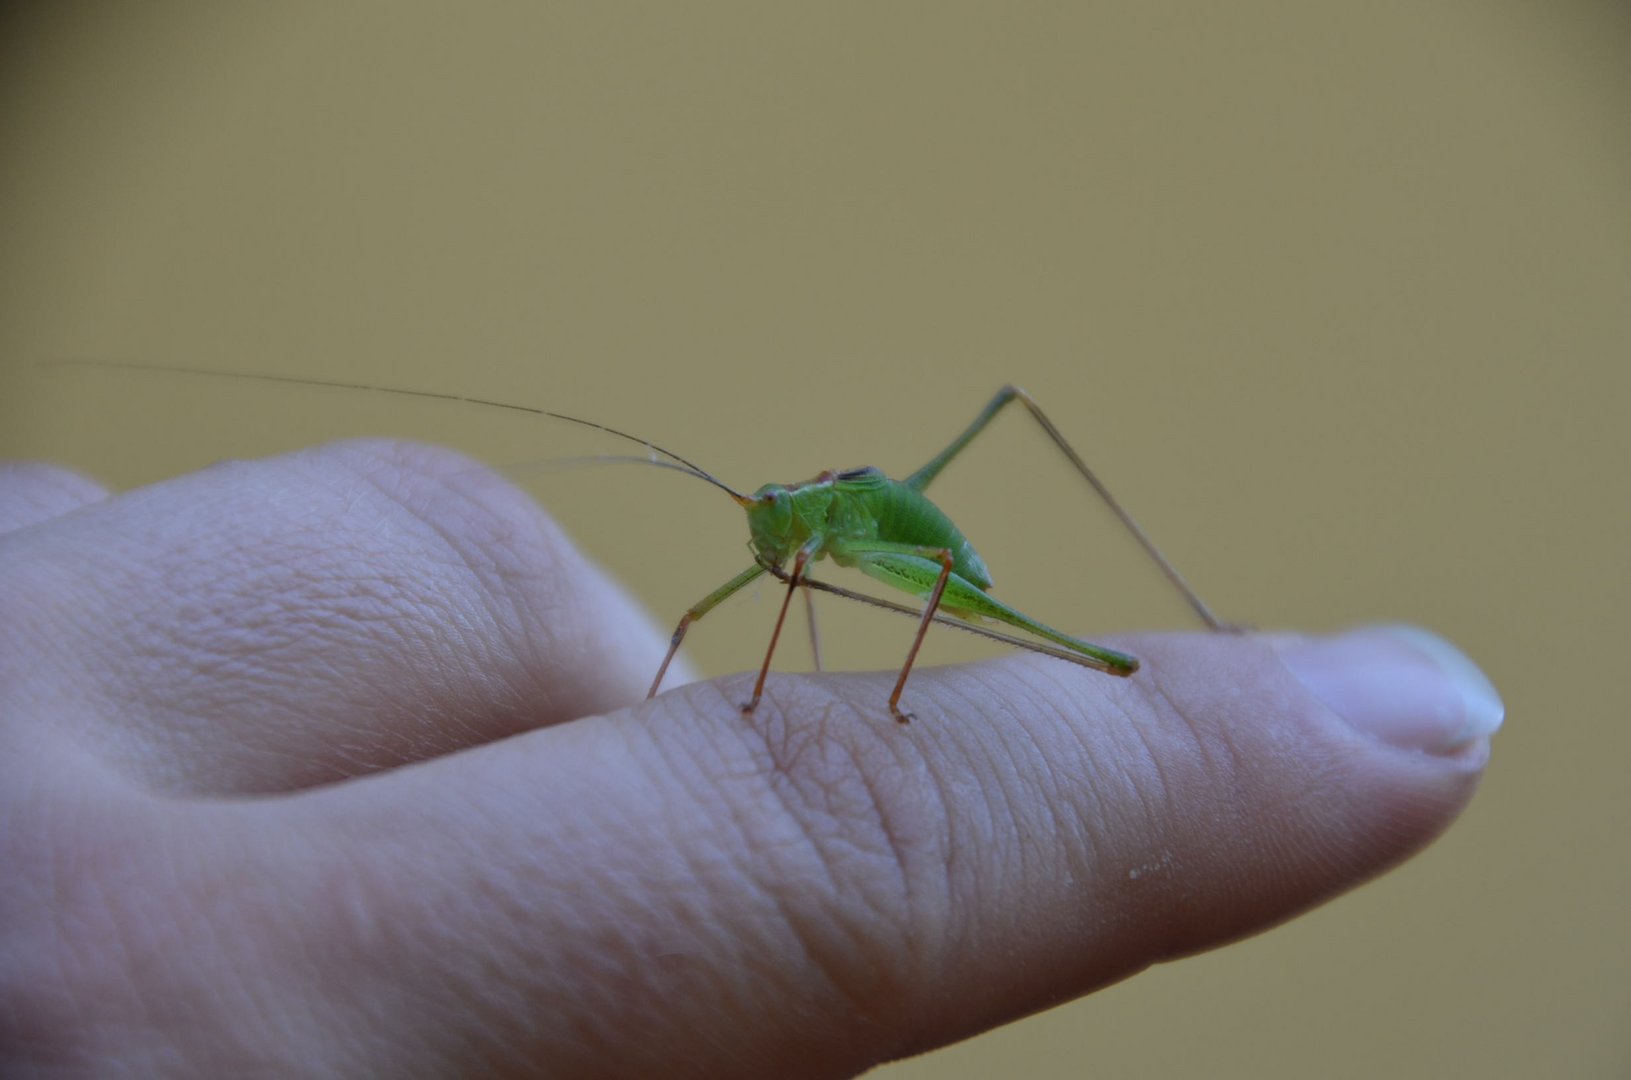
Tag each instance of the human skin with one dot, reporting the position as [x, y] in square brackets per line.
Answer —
[338, 762]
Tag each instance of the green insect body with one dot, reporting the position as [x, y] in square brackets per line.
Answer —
[861, 519]
[890, 531]
[883, 528]
[847, 512]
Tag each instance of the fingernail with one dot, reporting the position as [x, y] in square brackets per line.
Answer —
[1400, 684]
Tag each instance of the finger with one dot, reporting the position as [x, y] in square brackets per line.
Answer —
[822, 889]
[273, 624]
[32, 491]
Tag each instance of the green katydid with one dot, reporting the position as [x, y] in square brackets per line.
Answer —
[887, 529]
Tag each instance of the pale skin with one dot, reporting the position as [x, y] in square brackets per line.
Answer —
[570, 879]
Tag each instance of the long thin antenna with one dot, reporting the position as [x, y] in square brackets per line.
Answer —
[580, 461]
[337, 384]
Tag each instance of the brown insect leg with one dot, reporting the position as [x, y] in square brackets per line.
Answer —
[764, 670]
[922, 628]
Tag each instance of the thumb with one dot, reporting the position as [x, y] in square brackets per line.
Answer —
[820, 889]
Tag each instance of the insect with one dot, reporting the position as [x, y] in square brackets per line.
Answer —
[861, 519]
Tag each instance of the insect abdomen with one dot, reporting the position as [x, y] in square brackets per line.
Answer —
[908, 517]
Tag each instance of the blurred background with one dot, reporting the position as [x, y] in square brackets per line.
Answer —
[1336, 297]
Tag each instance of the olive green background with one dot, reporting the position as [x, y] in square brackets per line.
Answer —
[1335, 296]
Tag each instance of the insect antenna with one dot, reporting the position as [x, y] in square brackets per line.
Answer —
[581, 461]
[680, 464]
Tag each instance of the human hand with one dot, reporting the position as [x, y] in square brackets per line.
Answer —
[299, 772]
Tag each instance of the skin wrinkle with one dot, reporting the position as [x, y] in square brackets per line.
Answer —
[1052, 798]
[817, 795]
[459, 549]
[1257, 865]
[708, 781]
[1036, 844]
[1018, 935]
[897, 850]
[523, 895]
[342, 938]
[767, 976]
[441, 621]
[1145, 773]
[958, 863]
[259, 676]
[413, 632]
[980, 777]
[397, 576]
[922, 858]
[721, 865]
[378, 915]
[39, 1003]
[491, 985]
[28, 599]
[1160, 806]
[503, 547]
[1226, 764]
[1089, 739]
[880, 791]
[256, 935]
[488, 533]
[111, 947]
[803, 928]
[221, 581]
[1047, 792]
[258, 1020]
[1328, 828]
[1158, 801]
[1084, 788]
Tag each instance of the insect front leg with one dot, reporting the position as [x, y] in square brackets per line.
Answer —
[697, 611]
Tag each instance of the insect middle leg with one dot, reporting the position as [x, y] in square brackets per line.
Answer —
[794, 580]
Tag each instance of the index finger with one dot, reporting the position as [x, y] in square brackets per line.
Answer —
[819, 889]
